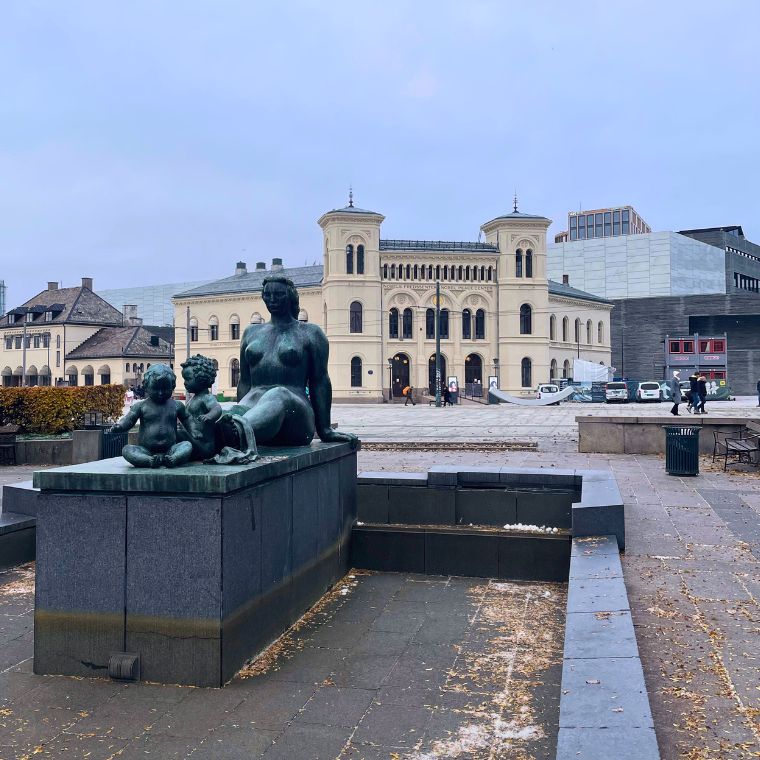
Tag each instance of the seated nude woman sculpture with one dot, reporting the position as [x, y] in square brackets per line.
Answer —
[278, 360]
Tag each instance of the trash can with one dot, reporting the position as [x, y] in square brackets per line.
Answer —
[682, 450]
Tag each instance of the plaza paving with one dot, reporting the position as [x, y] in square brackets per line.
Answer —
[550, 427]
[395, 666]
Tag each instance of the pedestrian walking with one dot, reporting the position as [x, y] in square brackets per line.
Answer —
[702, 390]
[408, 392]
[675, 391]
[758, 392]
[446, 395]
[694, 399]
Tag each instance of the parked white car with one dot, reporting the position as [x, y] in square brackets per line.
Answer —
[649, 390]
[547, 389]
[616, 392]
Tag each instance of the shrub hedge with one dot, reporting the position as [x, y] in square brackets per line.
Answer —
[57, 410]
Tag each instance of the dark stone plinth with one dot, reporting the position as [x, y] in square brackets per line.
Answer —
[194, 581]
[17, 535]
[20, 498]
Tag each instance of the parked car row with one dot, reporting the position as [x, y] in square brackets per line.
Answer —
[648, 390]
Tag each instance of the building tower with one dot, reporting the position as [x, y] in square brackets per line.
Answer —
[351, 294]
[523, 298]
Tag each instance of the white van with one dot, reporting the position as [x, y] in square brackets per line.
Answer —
[649, 390]
[616, 393]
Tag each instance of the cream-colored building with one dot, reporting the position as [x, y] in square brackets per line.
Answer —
[72, 336]
[375, 298]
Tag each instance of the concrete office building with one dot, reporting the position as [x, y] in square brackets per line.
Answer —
[742, 256]
[640, 266]
[2, 297]
[153, 302]
[602, 222]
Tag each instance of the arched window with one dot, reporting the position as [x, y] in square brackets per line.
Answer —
[234, 327]
[466, 324]
[526, 319]
[408, 272]
[483, 273]
[518, 263]
[406, 327]
[552, 327]
[126, 368]
[529, 263]
[256, 318]
[359, 259]
[566, 369]
[553, 370]
[446, 272]
[393, 323]
[430, 323]
[193, 329]
[349, 259]
[437, 271]
[466, 273]
[600, 333]
[480, 324]
[303, 315]
[430, 272]
[416, 272]
[526, 371]
[385, 271]
[589, 332]
[355, 317]
[577, 330]
[234, 373]
[490, 274]
[213, 328]
[443, 328]
[565, 328]
[473, 369]
[393, 271]
[356, 372]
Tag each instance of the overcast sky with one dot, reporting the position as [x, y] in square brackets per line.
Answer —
[149, 142]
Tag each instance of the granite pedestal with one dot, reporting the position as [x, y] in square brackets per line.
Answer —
[194, 569]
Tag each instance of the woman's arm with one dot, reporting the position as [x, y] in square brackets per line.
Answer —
[244, 384]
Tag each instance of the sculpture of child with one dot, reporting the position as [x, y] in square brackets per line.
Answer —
[204, 410]
[158, 414]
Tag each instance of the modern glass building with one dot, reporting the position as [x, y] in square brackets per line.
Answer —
[154, 304]
[2, 297]
[602, 222]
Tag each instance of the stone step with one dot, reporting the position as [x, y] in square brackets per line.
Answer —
[479, 552]
[17, 538]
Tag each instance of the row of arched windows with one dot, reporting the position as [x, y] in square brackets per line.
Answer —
[528, 258]
[429, 272]
[213, 328]
[350, 259]
[578, 332]
[469, 321]
[553, 369]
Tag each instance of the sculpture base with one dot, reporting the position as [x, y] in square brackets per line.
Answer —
[196, 575]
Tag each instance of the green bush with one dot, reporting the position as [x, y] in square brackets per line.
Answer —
[57, 410]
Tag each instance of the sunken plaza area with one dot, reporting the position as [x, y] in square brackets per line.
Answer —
[394, 665]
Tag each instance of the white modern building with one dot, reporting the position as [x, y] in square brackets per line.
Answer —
[639, 266]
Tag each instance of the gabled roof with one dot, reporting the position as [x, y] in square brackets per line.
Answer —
[251, 282]
[71, 305]
[559, 289]
[110, 342]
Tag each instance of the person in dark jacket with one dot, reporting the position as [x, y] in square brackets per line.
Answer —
[702, 390]
[674, 385]
[694, 400]
[758, 392]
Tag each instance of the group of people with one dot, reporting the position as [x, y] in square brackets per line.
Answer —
[695, 396]
[408, 394]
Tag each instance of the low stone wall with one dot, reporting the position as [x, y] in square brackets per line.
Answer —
[56, 451]
[645, 435]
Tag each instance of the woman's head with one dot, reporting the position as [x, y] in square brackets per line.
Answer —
[278, 289]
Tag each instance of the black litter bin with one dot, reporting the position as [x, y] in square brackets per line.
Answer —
[682, 450]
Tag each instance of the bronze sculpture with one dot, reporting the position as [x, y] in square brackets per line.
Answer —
[284, 395]
[158, 444]
[278, 361]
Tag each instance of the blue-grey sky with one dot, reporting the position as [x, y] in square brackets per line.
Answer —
[149, 142]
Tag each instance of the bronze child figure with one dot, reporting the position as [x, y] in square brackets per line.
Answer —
[158, 414]
[204, 410]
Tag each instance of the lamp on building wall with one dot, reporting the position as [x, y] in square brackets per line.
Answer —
[390, 381]
[496, 371]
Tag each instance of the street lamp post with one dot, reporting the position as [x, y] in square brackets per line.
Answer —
[390, 381]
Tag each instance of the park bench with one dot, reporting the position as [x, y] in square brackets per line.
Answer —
[743, 448]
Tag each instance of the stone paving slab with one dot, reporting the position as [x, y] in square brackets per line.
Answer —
[386, 665]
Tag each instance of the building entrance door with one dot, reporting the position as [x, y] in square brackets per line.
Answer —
[400, 373]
